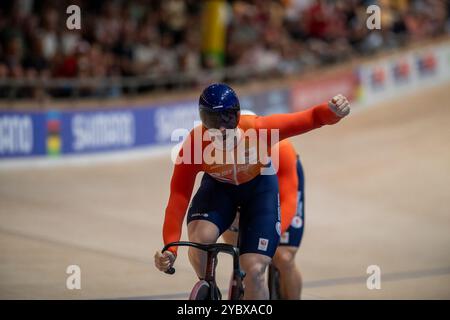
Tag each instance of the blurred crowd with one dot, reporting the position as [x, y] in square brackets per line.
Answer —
[162, 38]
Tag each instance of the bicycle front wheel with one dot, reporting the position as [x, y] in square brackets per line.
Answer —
[200, 291]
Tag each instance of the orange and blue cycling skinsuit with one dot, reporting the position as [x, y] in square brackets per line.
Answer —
[291, 184]
[226, 186]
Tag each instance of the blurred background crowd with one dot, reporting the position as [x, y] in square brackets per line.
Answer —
[160, 40]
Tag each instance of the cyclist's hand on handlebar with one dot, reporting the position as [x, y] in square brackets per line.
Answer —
[163, 261]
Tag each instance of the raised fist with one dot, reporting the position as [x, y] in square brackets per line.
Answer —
[339, 105]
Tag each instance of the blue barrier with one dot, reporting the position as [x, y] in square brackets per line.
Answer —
[77, 132]
[22, 134]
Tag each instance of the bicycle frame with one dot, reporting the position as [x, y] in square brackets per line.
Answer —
[210, 274]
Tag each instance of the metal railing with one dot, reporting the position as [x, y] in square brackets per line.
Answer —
[110, 87]
[43, 90]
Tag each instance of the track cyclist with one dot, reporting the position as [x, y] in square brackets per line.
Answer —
[238, 173]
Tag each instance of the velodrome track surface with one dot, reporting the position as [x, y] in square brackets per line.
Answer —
[376, 194]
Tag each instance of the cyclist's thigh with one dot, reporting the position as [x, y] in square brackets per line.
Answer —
[259, 224]
[213, 203]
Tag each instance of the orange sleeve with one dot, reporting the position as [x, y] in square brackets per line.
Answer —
[292, 124]
[181, 185]
[288, 183]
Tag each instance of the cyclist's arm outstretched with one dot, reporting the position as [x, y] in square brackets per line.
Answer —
[292, 124]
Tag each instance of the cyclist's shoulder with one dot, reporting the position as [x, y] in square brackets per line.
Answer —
[188, 145]
[247, 122]
[197, 129]
[285, 146]
[284, 157]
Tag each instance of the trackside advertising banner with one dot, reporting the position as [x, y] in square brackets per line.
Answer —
[56, 132]
[22, 134]
[308, 93]
[407, 72]
[120, 129]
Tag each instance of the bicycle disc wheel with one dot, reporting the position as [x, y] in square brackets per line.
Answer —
[200, 291]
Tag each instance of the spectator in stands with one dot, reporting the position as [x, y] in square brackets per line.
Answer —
[162, 38]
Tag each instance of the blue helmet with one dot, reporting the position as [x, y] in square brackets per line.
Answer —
[219, 107]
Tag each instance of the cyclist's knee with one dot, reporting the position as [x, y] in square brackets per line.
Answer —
[256, 273]
[285, 257]
[203, 231]
[255, 266]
